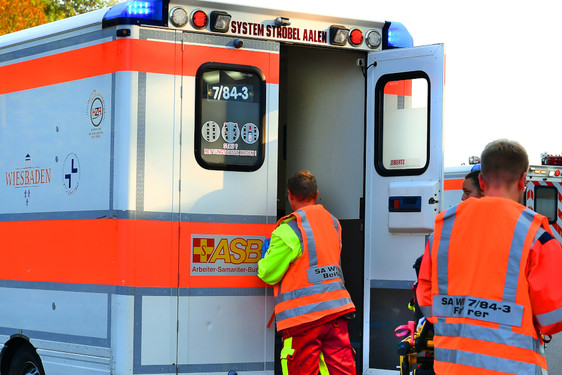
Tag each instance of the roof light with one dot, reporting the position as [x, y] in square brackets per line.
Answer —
[373, 39]
[338, 35]
[220, 21]
[355, 37]
[178, 17]
[148, 12]
[199, 19]
[395, 35]
[474, 159]
[551, 159]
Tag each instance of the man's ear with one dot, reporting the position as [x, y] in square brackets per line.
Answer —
[522, 182]
[481, 181]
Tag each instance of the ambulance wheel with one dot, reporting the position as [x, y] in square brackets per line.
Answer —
[26, 361]
[404, 365]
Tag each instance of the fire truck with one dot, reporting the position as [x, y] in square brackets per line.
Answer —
[543, 189]
[145, 149]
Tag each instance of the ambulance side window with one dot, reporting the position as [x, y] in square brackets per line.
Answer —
[229, 117]
[402, 124]
[546, 202]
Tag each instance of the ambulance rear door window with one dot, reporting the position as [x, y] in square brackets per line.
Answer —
[402, 124]
[546, 202]
[229, 117]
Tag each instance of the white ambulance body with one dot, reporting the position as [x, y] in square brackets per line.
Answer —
[145, 150]
[452, 184]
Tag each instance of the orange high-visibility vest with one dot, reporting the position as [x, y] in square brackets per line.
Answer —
[313, 286]
[481, 306]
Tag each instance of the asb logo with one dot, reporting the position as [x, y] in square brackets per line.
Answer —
[230, 255]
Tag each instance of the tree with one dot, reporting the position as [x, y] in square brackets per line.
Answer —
[22, 14]
[58, 9]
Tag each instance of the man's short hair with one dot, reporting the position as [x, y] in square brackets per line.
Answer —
[504, 160]
[303, 185]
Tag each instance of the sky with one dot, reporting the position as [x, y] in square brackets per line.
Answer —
[502, 61]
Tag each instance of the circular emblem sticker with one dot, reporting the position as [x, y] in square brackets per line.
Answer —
[97, 110]
[71, 173]
[210, 131]
[250, 133]
[230, 132]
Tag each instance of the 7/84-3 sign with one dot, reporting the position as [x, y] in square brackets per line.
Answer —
[238, 93]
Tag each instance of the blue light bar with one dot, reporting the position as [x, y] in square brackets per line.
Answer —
[136, 12]
[395, 35]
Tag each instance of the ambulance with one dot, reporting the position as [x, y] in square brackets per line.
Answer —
[145, 153]
[543, 189]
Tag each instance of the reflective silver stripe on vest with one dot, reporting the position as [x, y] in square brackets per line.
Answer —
[443, 252]
[430, 240]
[503, 335]
[312, 257]
[488, 362]
[515, 253]
[312, 251]
[312, 308]
[551, 317]
[337, 227]
[295, 227]
[426, 310]
[309, 291]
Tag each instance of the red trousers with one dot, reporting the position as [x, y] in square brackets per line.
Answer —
[325, 349]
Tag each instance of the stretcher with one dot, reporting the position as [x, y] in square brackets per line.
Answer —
[416, 349]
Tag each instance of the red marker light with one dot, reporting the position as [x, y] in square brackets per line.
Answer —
[557, 172]
[199, 19]
[356, 37]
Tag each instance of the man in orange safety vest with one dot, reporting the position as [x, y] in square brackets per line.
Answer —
[311, 301]
[490, 278]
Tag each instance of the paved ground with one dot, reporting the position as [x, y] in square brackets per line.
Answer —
[554, 355]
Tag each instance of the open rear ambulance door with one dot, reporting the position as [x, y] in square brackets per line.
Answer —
[403, 188]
